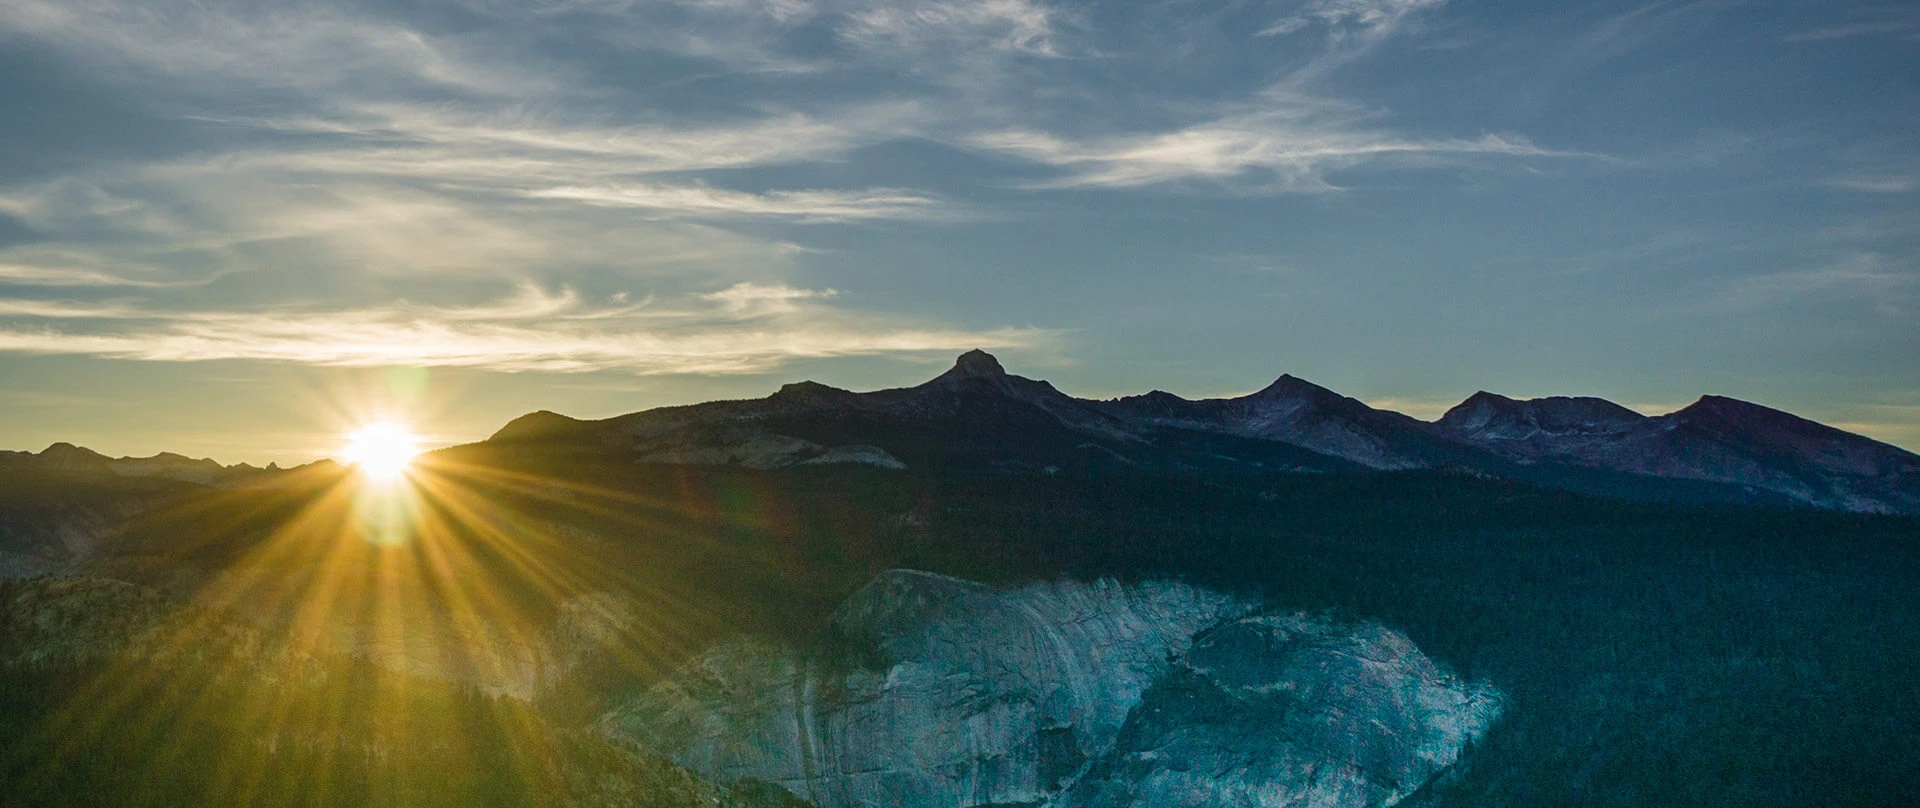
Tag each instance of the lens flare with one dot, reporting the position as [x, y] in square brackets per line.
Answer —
[381, 451]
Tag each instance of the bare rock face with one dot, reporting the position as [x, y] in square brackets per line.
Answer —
[1087, 694]
[1289, 710]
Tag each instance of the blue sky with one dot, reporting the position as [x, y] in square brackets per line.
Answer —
[235, 229]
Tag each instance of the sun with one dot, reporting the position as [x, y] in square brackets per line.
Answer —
[382, 451]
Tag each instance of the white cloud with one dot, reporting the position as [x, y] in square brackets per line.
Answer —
[1881, 184]
[500, 119]
[1287, 149]
[553, 140]
[1017, 26]
[1891, 27]
[191, 224]
[308, 47]
[747, 328]
[523, 156]
[1374, 16]
[1284, 26]
[19, 274]
[66, 310]
[742, 298]
[1863, 275]
[360, 155]
[697, 200]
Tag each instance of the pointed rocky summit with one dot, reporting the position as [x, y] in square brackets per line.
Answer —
[976, 364]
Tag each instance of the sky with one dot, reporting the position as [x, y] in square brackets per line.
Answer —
[240, 229]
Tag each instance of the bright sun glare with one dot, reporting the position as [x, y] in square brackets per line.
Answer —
[382, 451]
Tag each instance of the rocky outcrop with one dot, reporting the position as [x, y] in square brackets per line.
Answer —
[1094, 694]
[1287, 710]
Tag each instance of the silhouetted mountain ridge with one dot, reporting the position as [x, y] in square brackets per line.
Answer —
[67, 458]
[978, 414]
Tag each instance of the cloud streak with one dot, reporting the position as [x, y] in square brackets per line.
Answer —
[743, 329]
[362, 153]
[1906, 27]
[695, 201]
[1289, 149]
[1863, 276]
[1013, 26]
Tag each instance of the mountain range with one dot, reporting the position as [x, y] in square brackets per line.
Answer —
[1717, 449]
[980, 591]
[977, 415]
[66, 457]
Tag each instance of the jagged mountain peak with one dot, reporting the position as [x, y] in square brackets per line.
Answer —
[1291, 386]
[977, 370]
[975, 364]
[1482, 398]
[1290, 393]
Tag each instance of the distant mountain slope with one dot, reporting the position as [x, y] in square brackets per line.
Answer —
[66, 457]
[1716, 439]
[67, 504]
[1301, 413]
[976, 414]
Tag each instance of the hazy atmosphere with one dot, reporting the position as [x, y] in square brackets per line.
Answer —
[239, 229]
[959, 404]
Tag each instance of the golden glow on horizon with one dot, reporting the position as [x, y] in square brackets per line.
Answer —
[448, 577]
[382, 451]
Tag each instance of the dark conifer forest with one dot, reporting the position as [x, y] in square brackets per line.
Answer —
[1652, 653]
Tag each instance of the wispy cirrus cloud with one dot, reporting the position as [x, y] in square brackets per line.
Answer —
[1905, 25]
[1286, 138]
[1346, 20]
[742, 298]
[356, 93]
[202, 225]
[731, 331]
[1014, 26]
[317, 49]
[1288, 149]
[557, 141]
[596, 164]
[359, 153]
[57, 275]
[696, 200]
[1877, 184]
[1862, 275]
